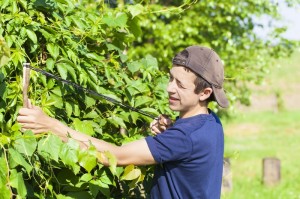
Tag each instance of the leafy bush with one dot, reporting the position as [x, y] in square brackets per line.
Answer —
[85, 43]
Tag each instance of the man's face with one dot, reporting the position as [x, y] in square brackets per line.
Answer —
[181, 88]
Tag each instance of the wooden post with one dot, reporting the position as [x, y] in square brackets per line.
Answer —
[227, 176]
[271, 171]
[26, 78]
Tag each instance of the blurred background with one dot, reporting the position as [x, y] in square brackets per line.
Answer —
[268, 127]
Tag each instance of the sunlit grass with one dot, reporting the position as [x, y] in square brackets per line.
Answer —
[270, 135]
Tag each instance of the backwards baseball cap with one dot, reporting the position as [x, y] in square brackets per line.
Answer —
[206, 63]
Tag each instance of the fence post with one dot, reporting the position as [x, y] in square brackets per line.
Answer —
[227, 176]
[271, 171]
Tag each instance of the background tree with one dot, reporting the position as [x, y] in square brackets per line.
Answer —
[226, 26]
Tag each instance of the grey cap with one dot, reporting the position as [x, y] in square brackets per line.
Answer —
[206, 63]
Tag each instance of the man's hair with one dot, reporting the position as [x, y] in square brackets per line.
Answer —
[201, 84]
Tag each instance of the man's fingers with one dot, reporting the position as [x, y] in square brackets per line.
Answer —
[160, 124]
[35, 129]
[162, 128]
[155, 130]
[164, 120]
[23, 119]
[25, 111]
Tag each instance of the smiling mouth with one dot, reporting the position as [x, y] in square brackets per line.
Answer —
[173, 99]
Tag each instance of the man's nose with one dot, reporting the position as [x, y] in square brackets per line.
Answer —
[171, 87]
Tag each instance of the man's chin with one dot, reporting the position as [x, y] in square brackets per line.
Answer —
[173, 108]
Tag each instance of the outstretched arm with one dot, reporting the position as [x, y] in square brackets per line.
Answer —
[136, 152]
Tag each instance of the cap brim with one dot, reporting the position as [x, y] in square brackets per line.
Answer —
[220, 97]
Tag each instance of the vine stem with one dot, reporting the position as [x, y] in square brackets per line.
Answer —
[175, 8]
[8, 173]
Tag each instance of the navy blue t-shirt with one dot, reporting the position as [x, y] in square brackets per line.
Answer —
[190, 157]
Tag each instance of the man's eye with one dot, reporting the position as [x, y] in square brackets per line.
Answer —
[180, 85]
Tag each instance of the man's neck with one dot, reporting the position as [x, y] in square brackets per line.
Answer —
[201, 110]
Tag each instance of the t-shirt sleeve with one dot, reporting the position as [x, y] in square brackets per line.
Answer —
[171, 145]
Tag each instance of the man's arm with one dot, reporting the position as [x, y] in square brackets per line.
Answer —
[136, 152]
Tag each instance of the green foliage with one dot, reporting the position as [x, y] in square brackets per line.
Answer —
[122, 53]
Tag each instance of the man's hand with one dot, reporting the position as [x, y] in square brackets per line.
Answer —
[160, 124]
[33, 118]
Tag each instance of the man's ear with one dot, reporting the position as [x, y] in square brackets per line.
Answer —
[205, 93]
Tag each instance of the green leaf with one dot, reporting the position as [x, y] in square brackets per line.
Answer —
[86, 177]
[89, 101]
[97, 185]
[62, 70]
[87, 160]
[80, 194]
[78, 22]
[4, 4]
[134, 116]
[49, 147]
[5, 191]
[150, 62]
[117, 121]
[50, 64]
[4, 52]
[92, 114]
[4, 170]
[83, 126]
[140, 100]
[26, 144]
[18, 57]
[133, 66]
[57, 99]
[112, 161]
[17, 181]
[53, 50]
[60, 196]
[68, 108]
[69, 154]
[45, 33]
[31, 35]
[17, 159]
[94, 56]
[119, 20]
[105, 177]
[135, 27]
[150, 110]
[131, 173]
[135, 9]
[45, 5]
[3, 138]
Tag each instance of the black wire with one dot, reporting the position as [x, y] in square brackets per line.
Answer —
[91, 91]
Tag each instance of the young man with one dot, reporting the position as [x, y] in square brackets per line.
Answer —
[188, 154]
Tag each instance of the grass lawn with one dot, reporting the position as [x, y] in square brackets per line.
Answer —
[255, 136]
[263, 130]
